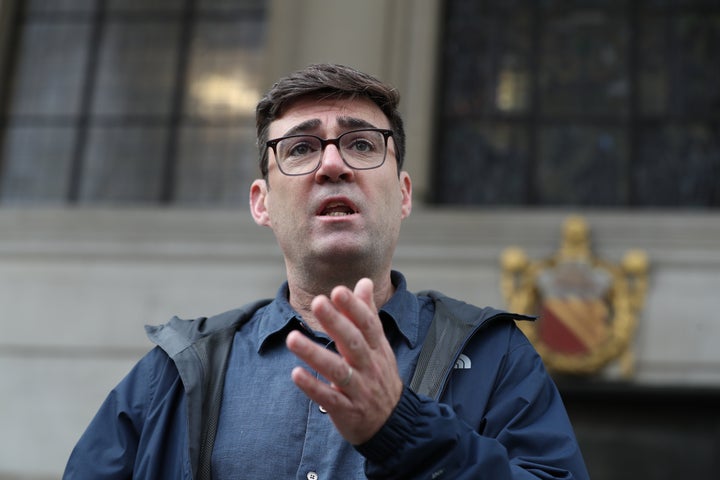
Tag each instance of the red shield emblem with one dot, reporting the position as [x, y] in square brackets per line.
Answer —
[574, 313]
[573, 325]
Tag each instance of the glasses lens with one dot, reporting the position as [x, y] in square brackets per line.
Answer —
[363, 148]
[360, 149]
[298, 155]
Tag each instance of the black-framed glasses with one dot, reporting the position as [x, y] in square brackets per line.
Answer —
[362, 149]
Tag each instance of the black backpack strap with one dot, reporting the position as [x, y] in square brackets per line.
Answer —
[453, 323]
[446, 336]
[214, 350]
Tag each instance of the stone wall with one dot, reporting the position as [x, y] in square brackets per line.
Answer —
[77, 286]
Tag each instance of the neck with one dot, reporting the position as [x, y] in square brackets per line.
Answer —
[304, 287]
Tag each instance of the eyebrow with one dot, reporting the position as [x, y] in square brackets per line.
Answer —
[308, 126]
[304, 127]
[352, 122]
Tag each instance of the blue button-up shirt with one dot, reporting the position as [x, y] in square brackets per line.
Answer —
[268, 428]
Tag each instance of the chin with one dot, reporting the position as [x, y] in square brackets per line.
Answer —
[348, 254]
[343, 253]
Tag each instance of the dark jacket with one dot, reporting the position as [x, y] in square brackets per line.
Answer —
[502, 418]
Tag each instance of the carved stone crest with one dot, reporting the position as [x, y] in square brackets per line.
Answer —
[587, 306]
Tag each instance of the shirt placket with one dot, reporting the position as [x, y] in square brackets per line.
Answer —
[315, 448]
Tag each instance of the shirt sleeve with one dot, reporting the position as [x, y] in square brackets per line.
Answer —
[523, 431]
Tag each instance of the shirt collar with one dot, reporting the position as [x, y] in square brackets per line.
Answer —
[400, 312]
[277, 317]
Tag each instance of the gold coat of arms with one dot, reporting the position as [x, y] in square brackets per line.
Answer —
[587, 308]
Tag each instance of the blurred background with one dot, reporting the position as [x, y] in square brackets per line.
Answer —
[127, 147]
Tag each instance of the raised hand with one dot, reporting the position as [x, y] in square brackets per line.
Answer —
[365, 385]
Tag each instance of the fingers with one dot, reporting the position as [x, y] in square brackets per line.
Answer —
[330, 365]
[349, 313]
[348, 338]
[319, 392]
[350, 319]
[364, 291]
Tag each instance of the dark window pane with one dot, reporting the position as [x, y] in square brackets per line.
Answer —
[123, 164]
[486, 60]
[124, 6]
[137, 69]
[585, 51]
[650, 4]
[37, 164]
[581, 166]
[226, 63]
[60, 6]
[654, 73]
[680, 72]
[483, 164]
[678, 165]
[49, 73]
[559, 5]
[216, 165]
[230, 6]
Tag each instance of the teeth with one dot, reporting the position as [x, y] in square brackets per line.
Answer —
[337, 209]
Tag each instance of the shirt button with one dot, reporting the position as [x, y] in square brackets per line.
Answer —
[322, 409]
[312, 476]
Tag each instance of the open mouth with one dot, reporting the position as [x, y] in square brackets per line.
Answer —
[337, 209]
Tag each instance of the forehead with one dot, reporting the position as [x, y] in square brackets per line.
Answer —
[328, 116]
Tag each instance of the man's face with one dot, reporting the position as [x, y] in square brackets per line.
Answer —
[335, 214]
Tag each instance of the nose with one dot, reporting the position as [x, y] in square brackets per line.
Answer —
[332, 167]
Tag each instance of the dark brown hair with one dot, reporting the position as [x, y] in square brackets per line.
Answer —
[323, 81]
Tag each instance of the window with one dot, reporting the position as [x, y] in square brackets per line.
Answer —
[131, 101]
[596, 102]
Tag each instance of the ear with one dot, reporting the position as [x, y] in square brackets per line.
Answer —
[406, 191]
[258, 202]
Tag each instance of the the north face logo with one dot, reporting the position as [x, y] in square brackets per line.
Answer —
[463, 362]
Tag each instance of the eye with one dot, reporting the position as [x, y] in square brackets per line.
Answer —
[361, 142]
[298, 147]
[363, 145]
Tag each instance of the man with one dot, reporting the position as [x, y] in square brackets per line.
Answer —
[316, 384]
